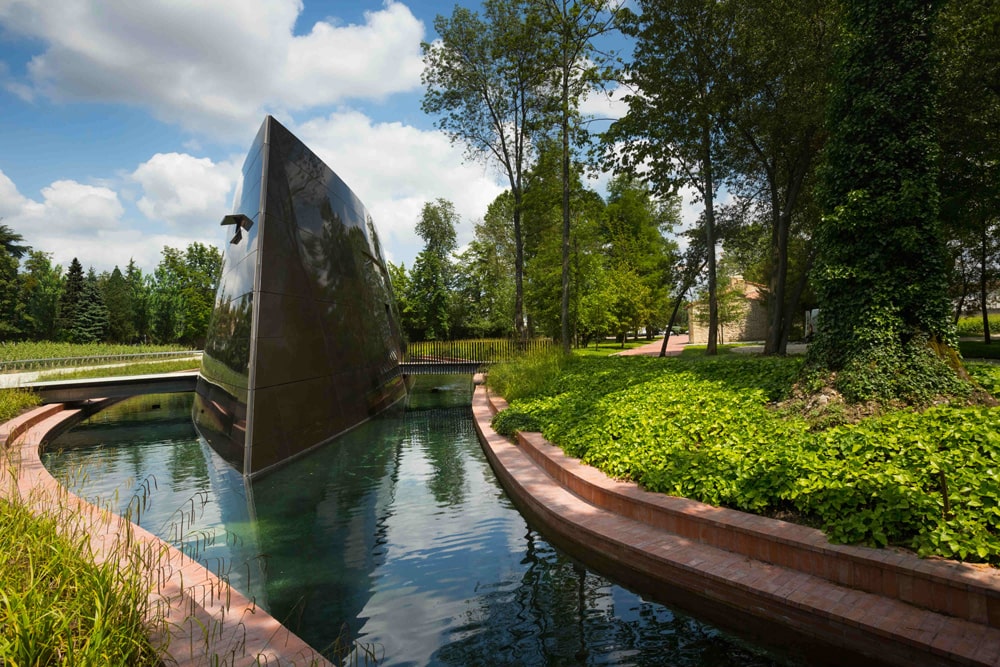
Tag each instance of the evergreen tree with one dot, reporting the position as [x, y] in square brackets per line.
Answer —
[139, 300]
[119, 305]
[91, 322]
[70, 300]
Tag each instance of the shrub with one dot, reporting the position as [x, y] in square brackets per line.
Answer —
[973, 325]
[528, 375]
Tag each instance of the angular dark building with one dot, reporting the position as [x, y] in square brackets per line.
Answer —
[303, 344]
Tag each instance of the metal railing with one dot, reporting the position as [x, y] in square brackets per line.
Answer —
[16, 365]
[482, 351]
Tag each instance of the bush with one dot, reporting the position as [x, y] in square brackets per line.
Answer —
[14, 401]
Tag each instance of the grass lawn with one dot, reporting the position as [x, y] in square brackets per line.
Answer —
[720, 430]
[977, 349]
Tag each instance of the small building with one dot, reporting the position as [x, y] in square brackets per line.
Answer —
[742, 314]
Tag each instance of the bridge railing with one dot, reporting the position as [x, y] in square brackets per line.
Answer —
[14, 365]
[482, 350]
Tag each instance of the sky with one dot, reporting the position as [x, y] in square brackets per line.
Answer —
[125, 122]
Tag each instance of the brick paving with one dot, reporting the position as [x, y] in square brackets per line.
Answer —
[868, 606]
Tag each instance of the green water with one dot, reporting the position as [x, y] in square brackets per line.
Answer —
[396, 538]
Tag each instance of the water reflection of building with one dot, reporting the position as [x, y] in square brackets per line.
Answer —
[303, 344]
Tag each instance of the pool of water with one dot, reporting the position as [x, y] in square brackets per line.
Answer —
[397, 539]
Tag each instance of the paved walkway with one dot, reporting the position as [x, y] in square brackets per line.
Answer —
[674, 347]
[774, 581]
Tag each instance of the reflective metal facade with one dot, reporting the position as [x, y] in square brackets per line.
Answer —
[303, 343]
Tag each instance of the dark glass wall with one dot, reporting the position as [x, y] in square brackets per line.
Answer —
[303, 342]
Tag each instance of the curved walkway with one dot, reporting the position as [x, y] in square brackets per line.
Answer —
[196, 618]
[871, 606]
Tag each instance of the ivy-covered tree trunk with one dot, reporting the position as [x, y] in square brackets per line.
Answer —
[881, 273]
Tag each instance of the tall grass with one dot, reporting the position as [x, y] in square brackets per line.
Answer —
[127, 369]
[50, 350]
[57, 606]
[527, 375]
[14, 401]
[973, 325]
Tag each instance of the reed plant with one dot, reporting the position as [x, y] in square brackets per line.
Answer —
[530, 374]
[15, 401]
[57, 606]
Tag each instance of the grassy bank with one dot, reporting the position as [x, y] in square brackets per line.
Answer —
[57, 607]
[711, 430]
[148, 368]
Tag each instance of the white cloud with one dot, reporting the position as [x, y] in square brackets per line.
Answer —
[87, 222]
[212, 66]
[605, 105]
[394, 169]
[184, 191]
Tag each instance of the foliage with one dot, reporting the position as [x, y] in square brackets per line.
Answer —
[705, 428]
[528, 375]
[70, 301]
[184, 293]
[881, 270]
[58, 607]
[90, 323]
[976, 349]
[987, 376]
[973, 325]
[41, 287]
[508, 422]
[15, 401]
[428, 298]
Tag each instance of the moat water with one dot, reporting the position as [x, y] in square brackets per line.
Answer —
[397, 540]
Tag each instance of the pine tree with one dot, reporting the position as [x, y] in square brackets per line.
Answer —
[69, 302]
[91, 324]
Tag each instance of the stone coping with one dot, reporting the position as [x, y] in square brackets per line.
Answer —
[195, 618]
[888, 606]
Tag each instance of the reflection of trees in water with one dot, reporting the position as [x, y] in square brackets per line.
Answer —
[228, 339]
[562, 614]
[441, 438]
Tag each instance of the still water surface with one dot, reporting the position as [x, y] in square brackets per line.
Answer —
[398, 537]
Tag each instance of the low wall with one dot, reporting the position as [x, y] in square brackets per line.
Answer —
[885, 605]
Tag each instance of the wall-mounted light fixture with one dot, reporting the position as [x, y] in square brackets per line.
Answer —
[241, 221]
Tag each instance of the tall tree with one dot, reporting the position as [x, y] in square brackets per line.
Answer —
[184, 292]
[483, 79]
[41, 285]
[90, 324]
[119, 302]
[139, 291]
[432, 274]
[674, 129]
[70, 300]
[881, 274]
[573, 25]
[776, 124]
[485, 272]
[968, 56]
[11, 252]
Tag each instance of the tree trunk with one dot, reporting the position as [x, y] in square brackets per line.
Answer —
[709, 195]
[519, 328]
[983, 268]
[793, 304]
[564, 309]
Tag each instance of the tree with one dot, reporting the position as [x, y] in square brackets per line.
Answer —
[673, 132]
[11, 252]
[969, 129]
[573, 25]
[432, 275]
[90, 325]
[776, 125]
[120, 313]
[485, 272]
[41, 286]
[184, 293]
[881, 274]
[70, 300]
[139, 291]
[483, 79]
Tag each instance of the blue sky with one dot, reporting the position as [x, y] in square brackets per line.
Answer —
[125, 122]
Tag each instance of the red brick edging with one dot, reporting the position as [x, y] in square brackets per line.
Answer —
[195, 617]
[893, 607]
